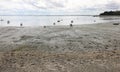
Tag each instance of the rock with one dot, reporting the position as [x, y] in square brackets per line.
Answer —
[115, 23]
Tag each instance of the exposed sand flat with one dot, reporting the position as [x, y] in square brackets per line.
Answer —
[84, 48]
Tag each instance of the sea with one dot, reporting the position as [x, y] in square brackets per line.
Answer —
[50, 20]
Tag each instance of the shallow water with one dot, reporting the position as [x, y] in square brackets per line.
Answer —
[50, 20]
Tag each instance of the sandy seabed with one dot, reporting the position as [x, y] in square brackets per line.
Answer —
[84, 48]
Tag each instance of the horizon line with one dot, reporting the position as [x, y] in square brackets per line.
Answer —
[48, 15]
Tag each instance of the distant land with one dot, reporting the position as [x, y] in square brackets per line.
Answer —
[47, 15]
[110, 13]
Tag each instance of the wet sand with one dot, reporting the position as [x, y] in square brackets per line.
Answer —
[84, 48]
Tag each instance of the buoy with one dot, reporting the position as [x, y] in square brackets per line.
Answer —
[94, 20]
[58, 21]
[71, 21]
[1, 20]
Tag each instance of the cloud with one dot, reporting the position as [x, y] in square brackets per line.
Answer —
[14, 5]
[57, 3]
[113, 5]
[58, 6]
[47, 4]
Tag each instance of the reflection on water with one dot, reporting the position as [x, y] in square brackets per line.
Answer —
[117, 18]
[53, 20]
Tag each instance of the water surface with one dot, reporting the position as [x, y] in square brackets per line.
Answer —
[50, 20]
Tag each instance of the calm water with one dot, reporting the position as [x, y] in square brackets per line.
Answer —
[49, 20]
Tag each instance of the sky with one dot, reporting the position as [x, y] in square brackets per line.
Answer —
[57, 7]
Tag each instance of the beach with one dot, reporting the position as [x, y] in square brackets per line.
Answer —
[81, 48]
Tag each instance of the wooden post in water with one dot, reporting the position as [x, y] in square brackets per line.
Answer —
[1, 20]
[21, 24]
[44, 26]
[71, 25]
[54, 24]
[8, 22]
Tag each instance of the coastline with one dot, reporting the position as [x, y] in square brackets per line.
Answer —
[87, 48]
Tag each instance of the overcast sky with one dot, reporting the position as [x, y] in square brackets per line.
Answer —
[59, 7]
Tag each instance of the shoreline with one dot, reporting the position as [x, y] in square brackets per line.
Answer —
[63, 25]
[86, 48]
[20, 35]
